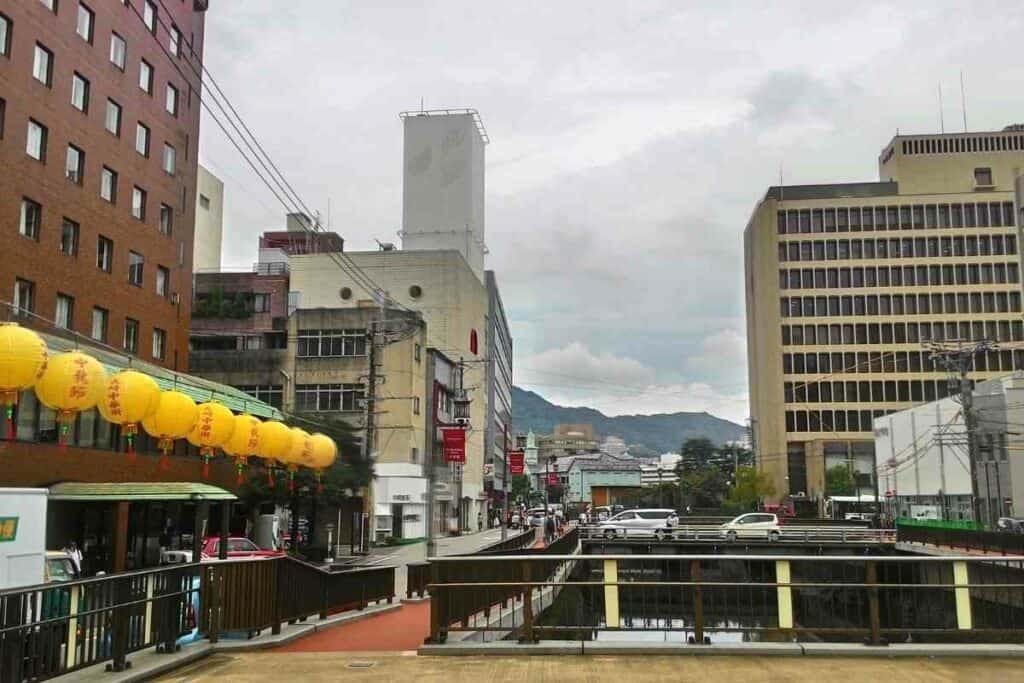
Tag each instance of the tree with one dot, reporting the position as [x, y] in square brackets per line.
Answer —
[839, 481]
[749, 489]
[706, 487]
[696, 453]
[519, 488]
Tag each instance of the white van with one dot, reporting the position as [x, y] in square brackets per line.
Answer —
[752, 525]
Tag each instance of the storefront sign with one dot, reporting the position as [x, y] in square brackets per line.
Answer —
[8, 528]
[552, 478]
[454, 441]
[516, 463]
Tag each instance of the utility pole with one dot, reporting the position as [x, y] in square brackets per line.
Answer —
[504, 482]
[957, 361]
[367, 450]
[431, 434]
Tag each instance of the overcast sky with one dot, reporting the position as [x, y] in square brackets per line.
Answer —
[629, 144]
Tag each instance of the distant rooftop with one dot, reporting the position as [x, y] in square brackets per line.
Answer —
[451, 112]
[832, 191]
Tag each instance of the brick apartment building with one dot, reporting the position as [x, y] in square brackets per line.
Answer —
[99, 131]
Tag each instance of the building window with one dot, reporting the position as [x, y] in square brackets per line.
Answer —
[163, 280]
[108, 185]
[261, 303]
[415, 405]
[331, 343]
[86, 20]
[100, 316]
[170, 159]
[135, 265]
[65, 312]
[79, 92]
[24, 297]
[142, 139]
[138, 203]
[50, 5]
[159, 343]
[35, 144]
[983, 177]
[271, 394]
[5, 36]
[204, 202]
[166, 219]
[320, 398]
[149, 16]
[31, 218]
[113, 119]
[69, 237]
[131, 335]
[74, 167]
[104, 253]
[417, 352]
[174, 40]
[145, 76]
[3, 115]
[42, 65]
[171, 102]
[118, 51]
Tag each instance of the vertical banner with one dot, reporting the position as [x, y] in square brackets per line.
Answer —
[454, 440]
[516, 463]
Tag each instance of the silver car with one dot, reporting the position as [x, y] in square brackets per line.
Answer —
[643, 522]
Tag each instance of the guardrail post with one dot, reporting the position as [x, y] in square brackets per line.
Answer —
[698, 603]
[876, 619]
[611, 593]
[963, 595]
[119, 630]
[214, 582]
[72, 639]
[438, 605]
[784, 592]
[527, 606]
[324, 594]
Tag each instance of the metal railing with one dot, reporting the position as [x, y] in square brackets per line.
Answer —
[58, 628]
[713, 532]
[1001, 542]
[524, 539]
[733, 597]
[418, 573]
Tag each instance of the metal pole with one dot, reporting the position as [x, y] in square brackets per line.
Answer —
[967, 401]
[431, 434]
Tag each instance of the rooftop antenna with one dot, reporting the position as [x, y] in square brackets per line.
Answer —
[942, 120]
[963, 99]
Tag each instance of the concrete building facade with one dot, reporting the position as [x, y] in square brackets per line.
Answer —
[845, 283]
[209, 232]
[99, 131]
[923, 458]
[498, 358]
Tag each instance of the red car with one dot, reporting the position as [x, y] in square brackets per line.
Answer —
[237, 547]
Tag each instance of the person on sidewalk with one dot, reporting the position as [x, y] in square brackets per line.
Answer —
[479, 521]
[549, 529]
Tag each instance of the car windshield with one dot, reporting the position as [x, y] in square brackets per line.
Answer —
[236, 545]
[60, 569]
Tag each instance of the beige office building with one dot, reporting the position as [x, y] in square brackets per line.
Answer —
[846, 284]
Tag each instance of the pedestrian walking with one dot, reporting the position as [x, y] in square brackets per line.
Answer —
[549, 529]
[479, 521]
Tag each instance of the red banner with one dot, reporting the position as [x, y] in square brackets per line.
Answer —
[454, 445]
[516, 463]
[552, 478]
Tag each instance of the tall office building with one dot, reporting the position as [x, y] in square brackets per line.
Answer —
[99, 127]
[209, 230]
[847, 283]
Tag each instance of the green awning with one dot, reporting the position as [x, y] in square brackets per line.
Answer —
[199, 389]
[142, 490]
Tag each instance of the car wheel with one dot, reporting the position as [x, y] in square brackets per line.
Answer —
[773, 536]
[609, 534]
[730, 536]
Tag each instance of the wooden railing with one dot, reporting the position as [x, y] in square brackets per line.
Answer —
[59, 628]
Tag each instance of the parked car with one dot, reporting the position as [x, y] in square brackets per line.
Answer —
[238, 547]
[752, 525]
[59, 567]
[1010, 525]
[642, 522]
[537, 519]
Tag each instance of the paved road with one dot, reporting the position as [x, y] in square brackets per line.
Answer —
[322, 666]
[417, 552]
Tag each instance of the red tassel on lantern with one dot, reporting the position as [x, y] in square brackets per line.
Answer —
[165, 445]
[130, 430]
[270, 476]
[10, 399]
[239, 467]
[319, 484]
[64, 420]
[206, 453]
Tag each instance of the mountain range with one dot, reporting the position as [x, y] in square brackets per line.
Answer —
[661, 433]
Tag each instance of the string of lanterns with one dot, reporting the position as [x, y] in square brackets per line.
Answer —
[73, 382]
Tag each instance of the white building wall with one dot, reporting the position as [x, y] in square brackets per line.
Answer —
[206, 248]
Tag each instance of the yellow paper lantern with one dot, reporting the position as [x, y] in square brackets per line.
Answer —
[128, 398]
[23, 357]
[173, 418]
[275, 445]
[243, 444]
[325, 452]
[300, 454]
[214, 426]
[72, 382]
